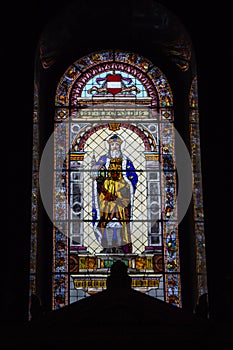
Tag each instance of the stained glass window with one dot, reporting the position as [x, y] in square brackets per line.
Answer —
[197, 187]
[115, 179]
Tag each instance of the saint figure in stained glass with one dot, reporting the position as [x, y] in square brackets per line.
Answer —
[114, 185]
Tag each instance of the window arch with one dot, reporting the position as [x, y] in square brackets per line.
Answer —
[144, 231]
[104, 96]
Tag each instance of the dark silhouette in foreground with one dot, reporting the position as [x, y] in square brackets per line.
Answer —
[120, 317]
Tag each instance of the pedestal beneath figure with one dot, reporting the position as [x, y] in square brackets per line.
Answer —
[90, 272]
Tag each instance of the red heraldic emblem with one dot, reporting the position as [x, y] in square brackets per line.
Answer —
[114, 83]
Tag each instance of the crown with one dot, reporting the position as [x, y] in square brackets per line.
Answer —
[115, 138]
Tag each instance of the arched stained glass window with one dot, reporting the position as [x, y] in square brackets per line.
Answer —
[115, 179]
[113, 161]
